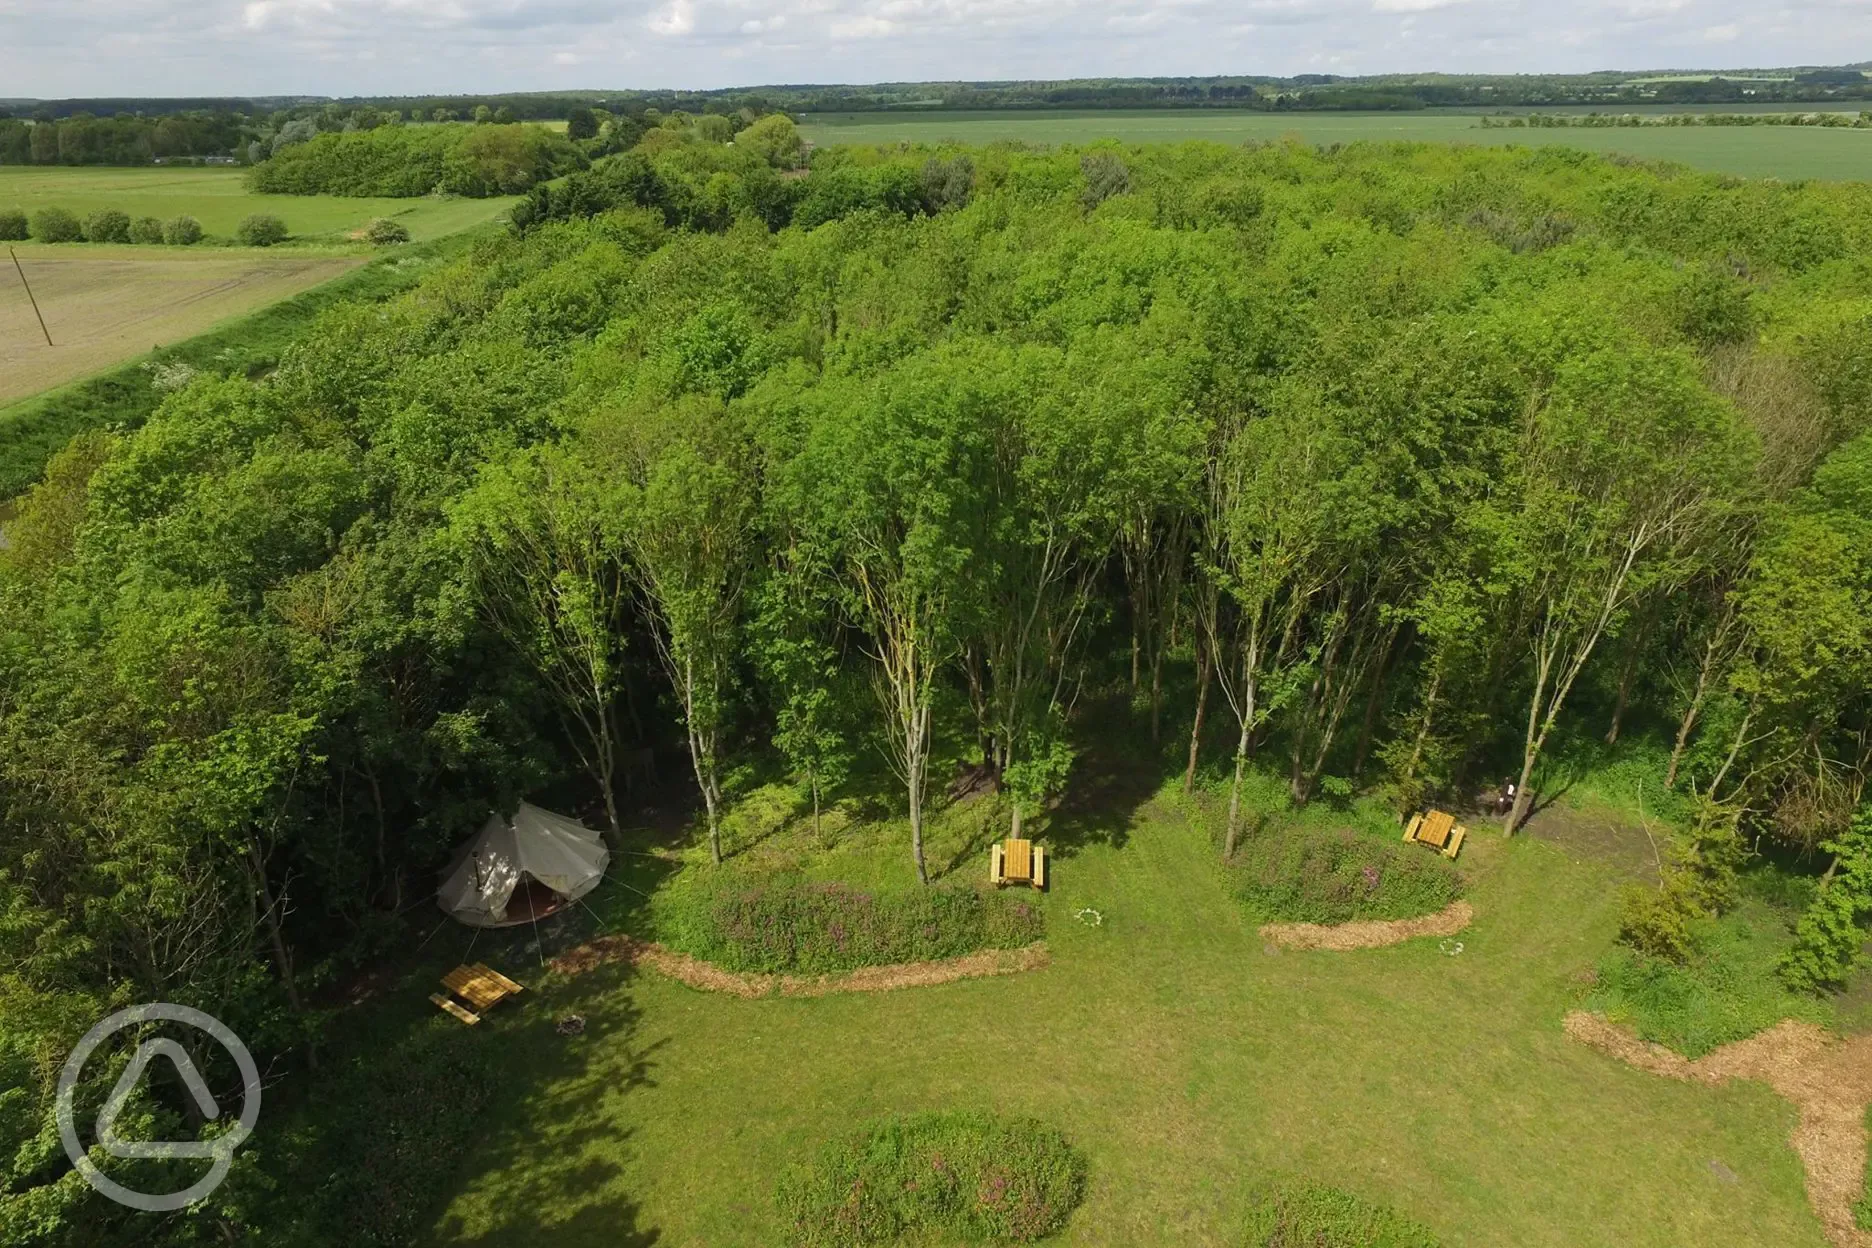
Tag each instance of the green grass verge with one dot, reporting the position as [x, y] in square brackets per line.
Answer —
[969, 1175]
[32, 430]
[1308, 1215]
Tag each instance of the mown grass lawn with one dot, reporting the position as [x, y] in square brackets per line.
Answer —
[1186, 1058]
[219, 199]
[1785, 152]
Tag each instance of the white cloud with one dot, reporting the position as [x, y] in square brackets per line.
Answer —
[675, 18]
[56, 48]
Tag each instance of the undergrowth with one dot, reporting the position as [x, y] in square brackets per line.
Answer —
[1307, 1215]
[1728, 988]
[1862, 1208]
[1305, 875]
[786, 924]
[968, 1176]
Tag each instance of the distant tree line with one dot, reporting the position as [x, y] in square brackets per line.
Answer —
[456, 159]
[124, 139]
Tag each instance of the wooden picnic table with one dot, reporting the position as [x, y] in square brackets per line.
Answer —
[1437, 829]
[480, 986]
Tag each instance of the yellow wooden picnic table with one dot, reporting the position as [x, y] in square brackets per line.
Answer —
[480, 986]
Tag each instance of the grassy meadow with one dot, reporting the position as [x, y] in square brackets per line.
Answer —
[1786, 152]
[1187, 1058]
[219, 199]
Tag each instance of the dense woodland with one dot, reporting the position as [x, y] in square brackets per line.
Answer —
[1391, 468]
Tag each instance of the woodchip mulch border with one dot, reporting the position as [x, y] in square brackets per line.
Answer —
[1369, 933]
[1829, 1080]
[710, 978]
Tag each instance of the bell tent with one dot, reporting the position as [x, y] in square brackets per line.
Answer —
[520, 869]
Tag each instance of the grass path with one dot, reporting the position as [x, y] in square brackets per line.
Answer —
[1176, 1049]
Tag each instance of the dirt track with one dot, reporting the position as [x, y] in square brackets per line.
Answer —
[108, 305]
[699, 974]
[1829, 1081]
[1369, 933]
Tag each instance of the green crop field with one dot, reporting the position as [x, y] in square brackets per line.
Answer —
[1786, 152]
[218, 198]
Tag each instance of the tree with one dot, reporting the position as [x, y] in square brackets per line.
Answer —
[687, 523]
[1627, 463]
[544, 563]
[581, 124]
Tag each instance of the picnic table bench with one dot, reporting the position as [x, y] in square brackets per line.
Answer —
[1016, 861]
[480, 986]
[1439, 830]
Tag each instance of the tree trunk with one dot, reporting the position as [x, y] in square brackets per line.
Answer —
[1234, 810]
[1626, 675]
[282, 956]
[1156, 696]
[1202, 703]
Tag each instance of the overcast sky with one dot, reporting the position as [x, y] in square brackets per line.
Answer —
[62, 48]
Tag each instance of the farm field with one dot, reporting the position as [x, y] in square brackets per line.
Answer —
[219, 199]
[1183, 1054]
[1786, 152]
[107, 304]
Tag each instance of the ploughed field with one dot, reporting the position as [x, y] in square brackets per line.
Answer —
[1786, 152]
[107, 304]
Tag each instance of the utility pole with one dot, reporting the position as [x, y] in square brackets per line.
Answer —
[29, 296]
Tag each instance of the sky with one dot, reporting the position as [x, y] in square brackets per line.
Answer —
[66, 48]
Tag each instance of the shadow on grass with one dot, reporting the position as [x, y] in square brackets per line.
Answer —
[551, 1157]
[1110, 783]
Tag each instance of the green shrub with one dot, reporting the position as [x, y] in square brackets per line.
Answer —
[817, 929]
[1728, 989]
[969, 1176]
[385, 232]
[13, 226]
[1659, 922]
[181, 231]
[146, 230]
[55, 225]
[1306, 1215]
[1308, 876]
[107, 225]
[1832, 931]
[260, 230]
[1862, 1208]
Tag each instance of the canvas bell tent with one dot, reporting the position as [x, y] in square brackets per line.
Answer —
[520, 869]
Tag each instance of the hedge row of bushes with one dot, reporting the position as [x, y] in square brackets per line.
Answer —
[406, 161]
[1306, 1215]
[1308, 876]
[825, 928]
[109, 225]
[969, 1176]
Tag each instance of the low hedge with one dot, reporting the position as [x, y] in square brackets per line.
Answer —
[793, 925]
[1308, 876]
[968, 1175]
[1307, 1215]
